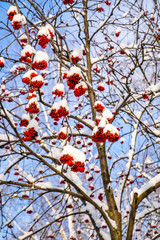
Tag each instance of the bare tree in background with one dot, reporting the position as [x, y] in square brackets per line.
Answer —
[79, 119]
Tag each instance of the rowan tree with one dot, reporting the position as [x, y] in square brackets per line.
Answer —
[79, 124]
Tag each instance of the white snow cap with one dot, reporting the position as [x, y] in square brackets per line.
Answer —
[74, 152]
[28, 48]
[59, 86]
[101, 84]
[74, 70]
[19, 18]
[50, 28]
[24, 36]
[30, 178]
[118, 30]
[26, 116]
[37, 78]
[111, 128]
[2, 60]
[107, 114]
[28, 74]
[2, 177]
[33, 123]
[12, 9]
[62, 103]
[34, 99]
[30, 208]
[64, 130]
[98, 102]
[81, 84]
[40, 56]
[77, 52]
[44, 31]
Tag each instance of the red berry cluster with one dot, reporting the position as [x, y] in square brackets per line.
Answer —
[79, 91]
[68, 2]
[100, 196]
[36, 84]
[78, 167]
[145, 96]
[26, 80]
[30, 134]
[1, 64]
[79, 126]
[73, 80]
[107, 2]
[112, 137]
[99, 107]
[100, 9]
[16, 25]
[57, 93]
[57, 114]
[96, 69]
[64, 75]
[40, 65]
[26, 58]
[75, 59]
[97, 120]
[11, 15]
[62, 136]
[110, 120]
[43, 40]
[51, 33]
[32, 108]
[23, 40]
[24, 123]
[33, 95]
[67, 159]
[100, 88]
[99, 136]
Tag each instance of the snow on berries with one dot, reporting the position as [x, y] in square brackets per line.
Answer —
[98, 134]
[59, 110]
[44, 37]
[73, 77]
[40, 60]
[96, 68]
[27, 53]
[25, 120]
[37, 82]
[51, 30]
[63, 133]
[32, 106]
[99, 106]
[108, 115]
[99, 8]
[31, 131]
[29, 210]
[112, 133]
[17, 21]
[118, 31]
[103, 133]
[11, 12]
[58, 89]
[73, 157]
[80, 89]
[76, 55]
[23, 40]
[2, 62]
[28, 76]
[100, 87]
